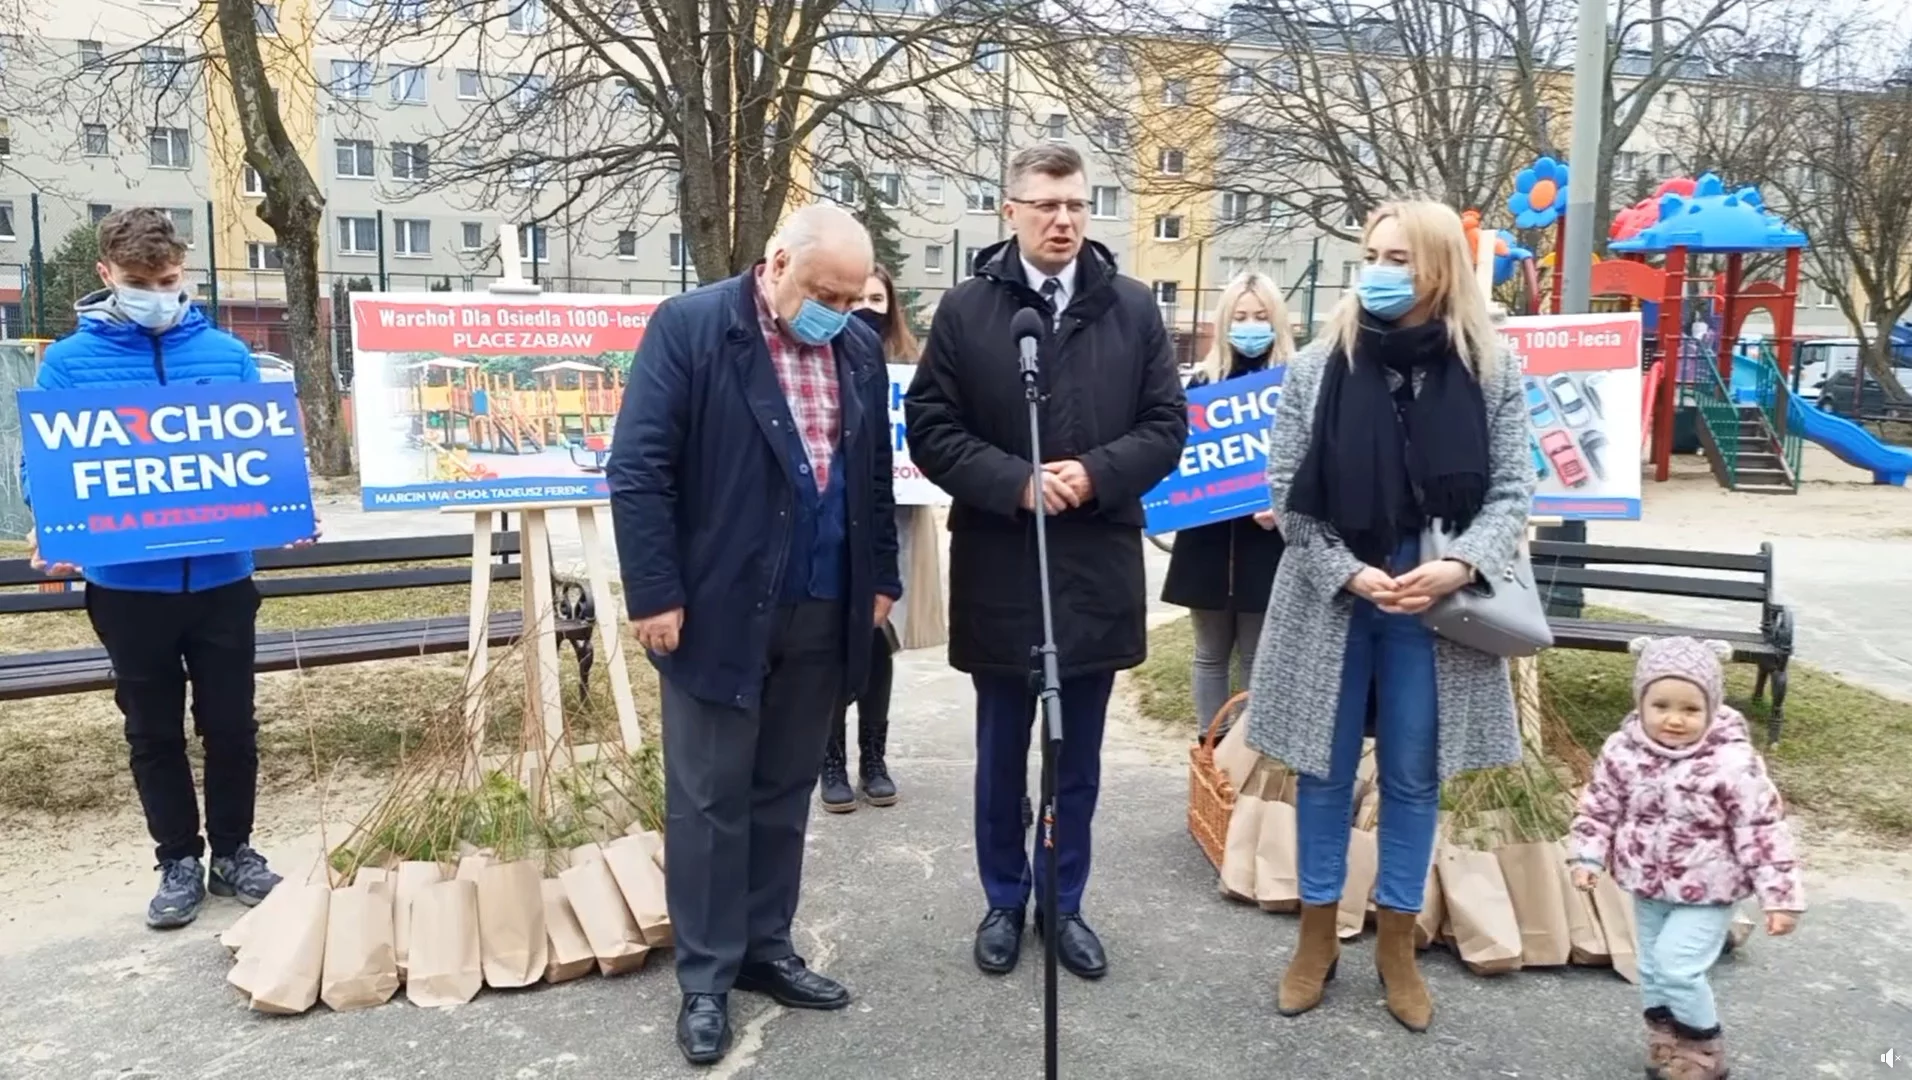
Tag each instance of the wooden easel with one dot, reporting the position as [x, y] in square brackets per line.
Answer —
[546, 744]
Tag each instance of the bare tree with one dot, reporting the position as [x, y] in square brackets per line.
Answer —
[214, 48]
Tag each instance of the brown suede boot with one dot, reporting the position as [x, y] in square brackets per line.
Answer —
[1408, 998]
[1660, 1041]
[1697, 1055]
[1317, 953]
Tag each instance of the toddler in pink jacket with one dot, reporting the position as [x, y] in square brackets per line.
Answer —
[1681, 812]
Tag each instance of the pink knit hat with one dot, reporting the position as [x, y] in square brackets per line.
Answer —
[1691, 659]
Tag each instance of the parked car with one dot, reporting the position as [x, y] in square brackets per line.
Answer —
[1592, 386]
[1836, 394]
[1540, 460]
[1538, 406]
[273, 368]
[1592, 445]
[1558, 446]
[1818, 362]
[1573, 407]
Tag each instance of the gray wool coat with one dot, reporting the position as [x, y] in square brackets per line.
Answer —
[1295, 689]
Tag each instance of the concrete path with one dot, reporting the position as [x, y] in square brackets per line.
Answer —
[890, 902]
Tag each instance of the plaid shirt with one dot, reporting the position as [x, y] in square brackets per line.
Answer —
[808, 376]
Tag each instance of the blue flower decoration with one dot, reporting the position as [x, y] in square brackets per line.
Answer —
[1540, 194]
[1507, 256]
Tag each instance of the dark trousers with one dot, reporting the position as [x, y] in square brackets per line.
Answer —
[872, 707]
[158, 642]
[737, 786]
[1005, 716]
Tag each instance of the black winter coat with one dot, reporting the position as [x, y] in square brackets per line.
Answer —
[1111, 399]
[1230, 565]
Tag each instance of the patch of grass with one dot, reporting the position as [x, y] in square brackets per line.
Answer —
[1842, 756]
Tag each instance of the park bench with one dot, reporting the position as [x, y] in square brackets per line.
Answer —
[1669, 572]
[326, 569]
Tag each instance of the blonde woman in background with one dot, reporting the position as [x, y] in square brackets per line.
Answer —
[1402, 414]
[1223, 572]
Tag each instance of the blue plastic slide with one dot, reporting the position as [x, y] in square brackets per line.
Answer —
[1851, 443]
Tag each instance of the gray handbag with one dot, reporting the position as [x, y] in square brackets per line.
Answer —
[1500, 616]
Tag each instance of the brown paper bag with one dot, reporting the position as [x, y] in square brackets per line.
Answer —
[470, 866]
[447, 966]
[1615, 909]
[1363, 864]
[1365, 771]
[1427, 924]
[1233, 756]
[1277, 885]
[1238, 850]
[1588, 943]
[587, 853]
[568, 952]
[240, 933]
[1486, 931]
[1367, 813]
[642, 884]
[410, 879]
[1741, 928]
[511, 935]
[282, 966]
[1532, 871]
[361, 969]
[606, 921]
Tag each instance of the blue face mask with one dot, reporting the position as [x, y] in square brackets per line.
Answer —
[152, 310]
[1253, 338]
[1387, 292]
[817, 324]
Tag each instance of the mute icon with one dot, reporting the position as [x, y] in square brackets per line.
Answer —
[1887, 1058]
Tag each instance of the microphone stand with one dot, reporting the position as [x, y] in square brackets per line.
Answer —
[1044, 676]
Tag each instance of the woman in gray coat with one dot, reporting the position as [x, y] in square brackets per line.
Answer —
[1402, 415]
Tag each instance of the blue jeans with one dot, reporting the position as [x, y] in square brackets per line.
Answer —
[1678, 945]
[1392, 656]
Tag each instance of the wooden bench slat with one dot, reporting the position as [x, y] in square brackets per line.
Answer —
[1597, 636]
[1757, 563]
[328, 554]
[1752, 592]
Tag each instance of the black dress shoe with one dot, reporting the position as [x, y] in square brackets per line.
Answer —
[999, 940]
[1078, 950]
[703, 1028]
[790, 983]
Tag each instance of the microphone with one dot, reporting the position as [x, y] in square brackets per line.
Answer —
[1027, 327]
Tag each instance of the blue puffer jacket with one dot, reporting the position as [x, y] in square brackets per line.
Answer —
[109, 350]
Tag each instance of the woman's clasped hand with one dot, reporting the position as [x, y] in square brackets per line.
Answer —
[1413, 592]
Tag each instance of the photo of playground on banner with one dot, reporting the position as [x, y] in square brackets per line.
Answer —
[463, 398]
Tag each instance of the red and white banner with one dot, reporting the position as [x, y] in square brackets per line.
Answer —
[486, 325]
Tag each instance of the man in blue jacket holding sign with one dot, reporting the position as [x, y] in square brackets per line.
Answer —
[173, 620]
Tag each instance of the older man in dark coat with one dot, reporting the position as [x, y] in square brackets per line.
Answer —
[751, 490]
[1113, 425]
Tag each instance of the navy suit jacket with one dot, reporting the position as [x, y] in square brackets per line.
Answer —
[702, 481]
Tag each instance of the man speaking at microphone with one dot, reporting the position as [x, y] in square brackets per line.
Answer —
[1113, 425]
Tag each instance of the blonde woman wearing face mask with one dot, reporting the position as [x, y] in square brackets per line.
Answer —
[1401, 415]
[1223, 572]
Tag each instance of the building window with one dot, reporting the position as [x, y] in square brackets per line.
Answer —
[527, 90]
[1663, 166]
[534, 243]
[6, 219]
[984, 197]
[1105, 201]
[1168, 226]
[1167, 292]
[933, 259]
[1241, 78]
[1626, 163]
[1111, 133]
[1171, 161]
[92, 54]
[1285, 75]
[933, 189]
[988, 58]
[169, 148]
[471, 235]
[96, 212]
[159, 64]
[412, 237]
[255, 185]
[938, 120]
[352, 79]
[182, 224]
[1278, 270]
[411, 161]
[839, 185]
[1350, 270]
[1175, 92]
[356, 159]
[1234, 207]
[527, 17]
[469, 86]
[352, 9]
[408, 85]
[969, 261]
[265, 19]
[1353, 218]
[986, 123]
[474, 11]
[1232, 266]
[93, 140]
[888, 187]
[627, 244]
[263, 256]
[1111, 62]
[358, 236]
[1238, 141]
[1057, 129]
[680, 256]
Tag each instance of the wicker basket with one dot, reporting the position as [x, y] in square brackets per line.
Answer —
[1211, 798]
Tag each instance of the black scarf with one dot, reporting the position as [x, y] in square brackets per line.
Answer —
[1380, 464]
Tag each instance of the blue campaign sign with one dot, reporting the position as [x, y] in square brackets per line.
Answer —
[1222, 473]
[135, 474]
